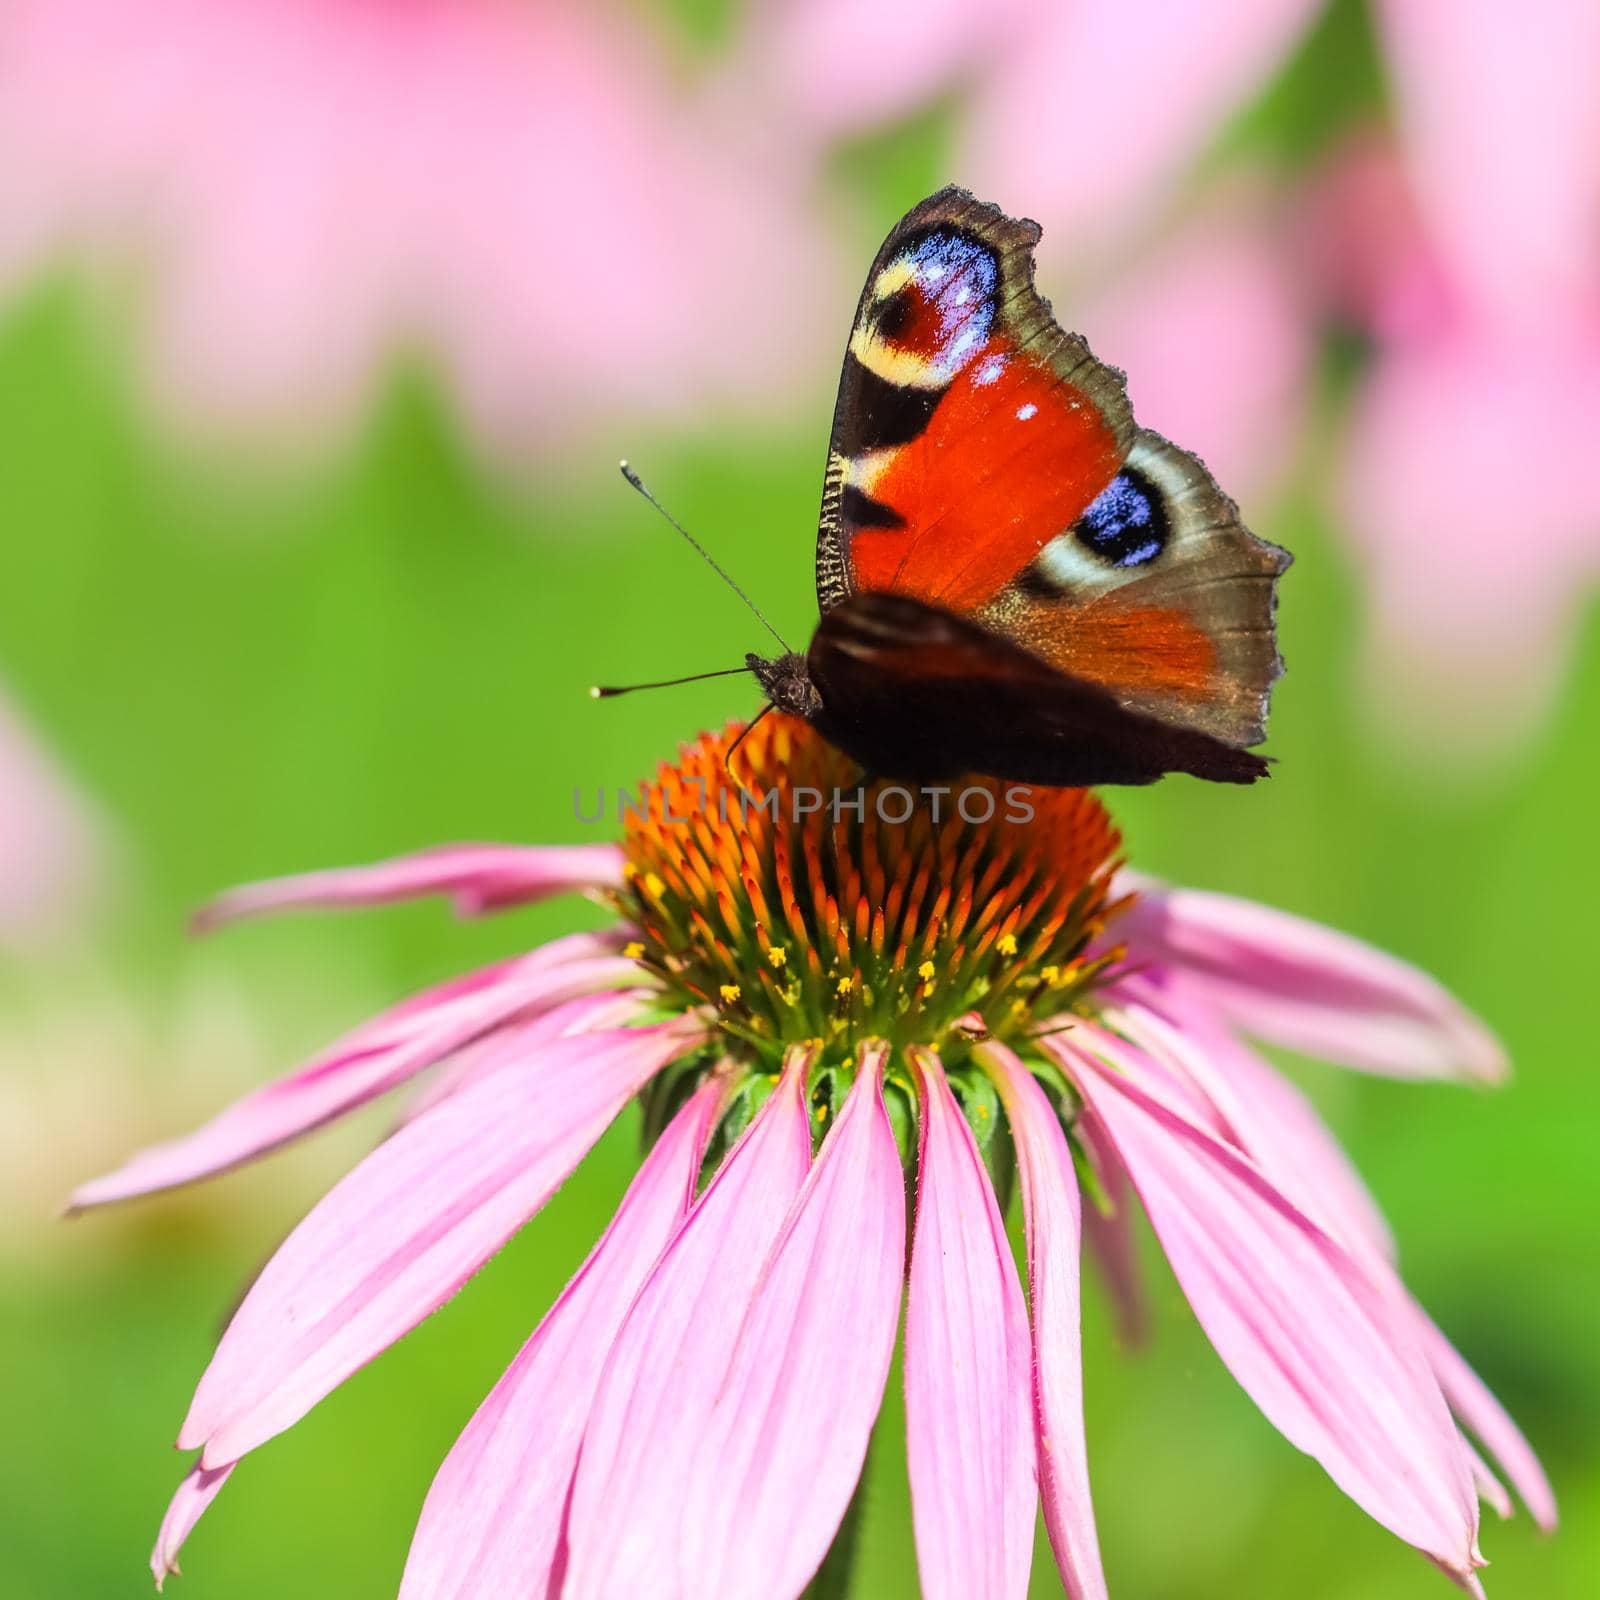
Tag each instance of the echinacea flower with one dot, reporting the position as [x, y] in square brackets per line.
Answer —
[827, 998]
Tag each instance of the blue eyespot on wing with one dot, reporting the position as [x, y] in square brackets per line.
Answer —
[1161, 595]
[1127, 524]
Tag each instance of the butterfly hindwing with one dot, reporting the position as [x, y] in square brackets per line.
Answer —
[909, 689]
[1159, 594]
[970, 428]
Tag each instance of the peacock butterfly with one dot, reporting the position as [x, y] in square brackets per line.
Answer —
[1016, 579]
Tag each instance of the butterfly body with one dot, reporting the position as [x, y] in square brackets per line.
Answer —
[1015, 578]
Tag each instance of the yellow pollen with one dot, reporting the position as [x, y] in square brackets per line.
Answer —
[633, 950]
[854, 920]
[822, 1113]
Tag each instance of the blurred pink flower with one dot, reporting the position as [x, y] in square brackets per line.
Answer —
[1468, 251]
[309, 188]
[1198, 304]
[1213, 332]
[1083, 113]
[1499, 122]
[1475, 517]
[693, 1413]
[50, 851]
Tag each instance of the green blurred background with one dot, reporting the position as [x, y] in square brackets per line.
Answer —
[251, 671]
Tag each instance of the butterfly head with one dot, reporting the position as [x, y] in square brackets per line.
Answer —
[786, 682]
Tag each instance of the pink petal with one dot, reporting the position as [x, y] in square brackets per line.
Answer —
[1263, 1113]
[493, 1518]
[1307, 987]
[1319, 1348]
[400, 1021]
[478, 877]
[969, 1384]
[194, 1495]
[590, 1013]
[368, 1062]
[1490, 1489]
[1051, 1209]
[783, 1447]
[1275, 1125]
[1477, 1407]
[402, 1232]
[668, 1366]
[1111, 1238]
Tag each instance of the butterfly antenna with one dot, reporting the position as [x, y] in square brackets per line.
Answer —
[749, 727]
[609, 691]
[638, 483]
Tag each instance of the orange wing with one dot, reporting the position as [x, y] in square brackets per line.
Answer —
[970, 429]
[984, 462]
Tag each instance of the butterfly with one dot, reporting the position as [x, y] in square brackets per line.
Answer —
[1014, 578]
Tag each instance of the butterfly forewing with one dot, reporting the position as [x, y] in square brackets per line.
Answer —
[970, 428]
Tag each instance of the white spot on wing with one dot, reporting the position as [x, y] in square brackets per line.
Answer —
[1024, 412]
[959, 346]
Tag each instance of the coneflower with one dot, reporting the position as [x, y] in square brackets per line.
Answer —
[829, 998]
